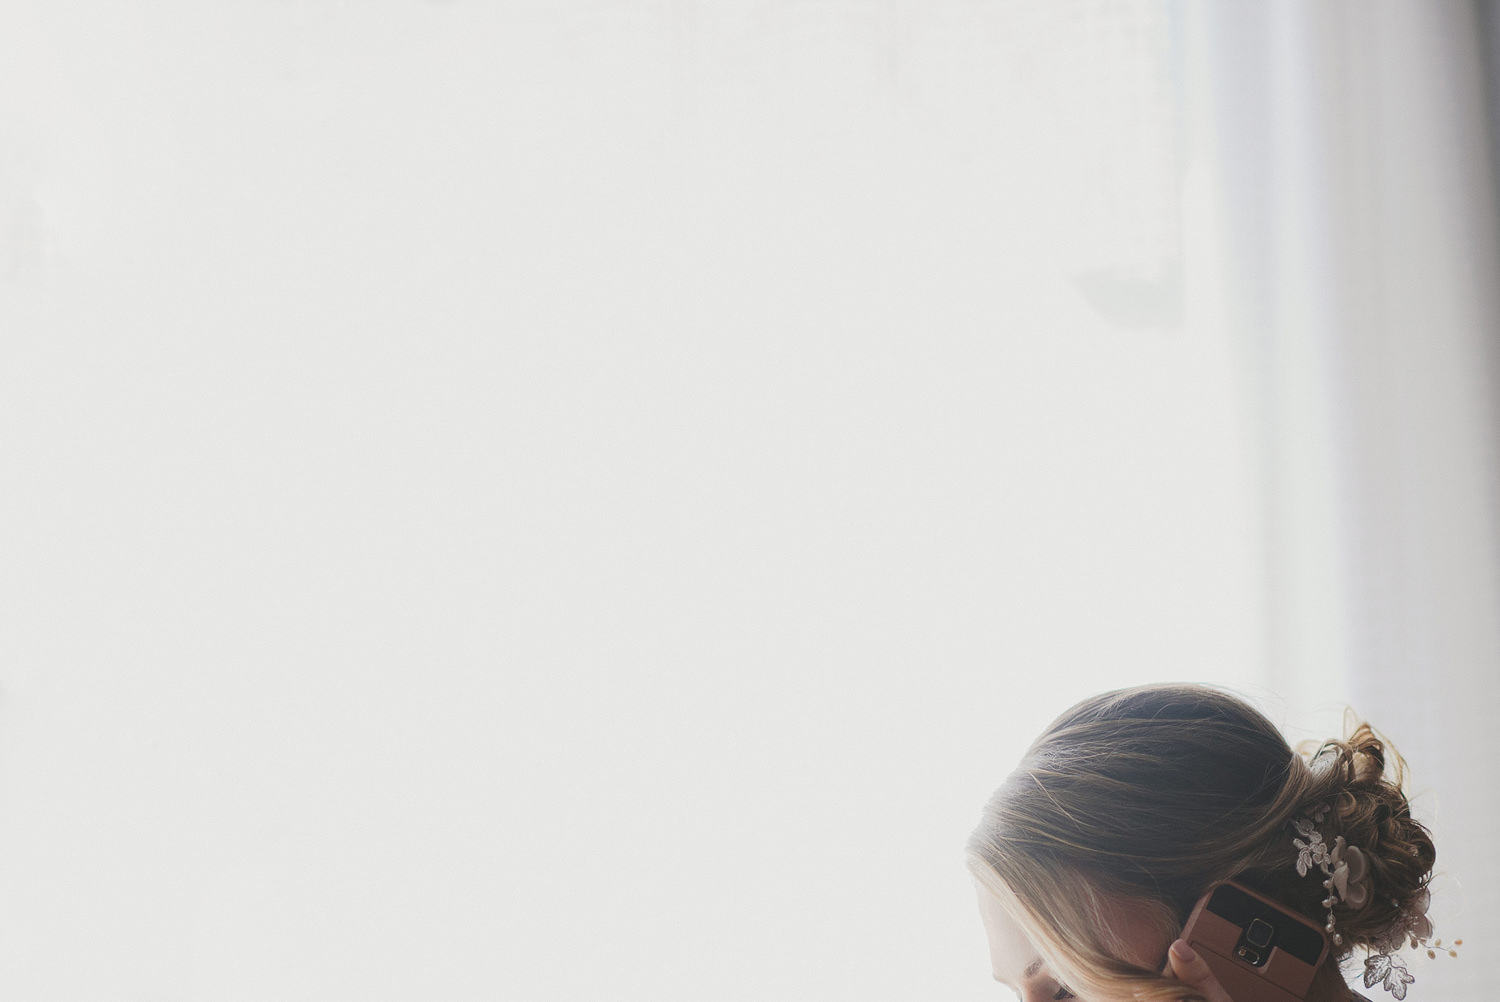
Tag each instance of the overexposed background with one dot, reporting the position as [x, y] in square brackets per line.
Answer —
[584, 500]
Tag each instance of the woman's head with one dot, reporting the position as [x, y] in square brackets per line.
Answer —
[1131, 804]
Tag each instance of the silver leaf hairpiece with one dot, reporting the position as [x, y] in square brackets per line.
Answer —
[1346, 878]
[1391, 971]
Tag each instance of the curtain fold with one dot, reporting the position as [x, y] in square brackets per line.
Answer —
[1353, 149]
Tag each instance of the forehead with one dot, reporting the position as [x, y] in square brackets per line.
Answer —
[1012, 957]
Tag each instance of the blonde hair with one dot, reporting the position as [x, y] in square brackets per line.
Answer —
[1153, 794]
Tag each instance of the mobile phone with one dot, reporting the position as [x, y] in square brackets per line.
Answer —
[1259, 950]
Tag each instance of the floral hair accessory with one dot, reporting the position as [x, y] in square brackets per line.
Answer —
[1315, 852]
[1351, 873]
[1390, 970]
[1346, 878]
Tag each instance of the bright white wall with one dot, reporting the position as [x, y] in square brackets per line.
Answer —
[560, 501]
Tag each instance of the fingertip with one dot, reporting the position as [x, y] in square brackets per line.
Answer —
[1193, 970]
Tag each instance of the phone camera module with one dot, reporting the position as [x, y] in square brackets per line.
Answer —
[1259, 934]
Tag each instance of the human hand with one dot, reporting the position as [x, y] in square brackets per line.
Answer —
[1189, 968]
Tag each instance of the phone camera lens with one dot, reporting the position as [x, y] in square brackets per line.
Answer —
[1259, 934]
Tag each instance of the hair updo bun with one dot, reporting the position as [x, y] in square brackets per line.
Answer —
[1361, 779]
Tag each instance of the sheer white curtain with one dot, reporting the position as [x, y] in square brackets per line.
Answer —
[1350, 147]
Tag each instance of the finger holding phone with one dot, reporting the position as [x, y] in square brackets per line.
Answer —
[1184, 964]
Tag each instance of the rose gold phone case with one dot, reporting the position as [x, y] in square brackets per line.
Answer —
[1259, 950]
